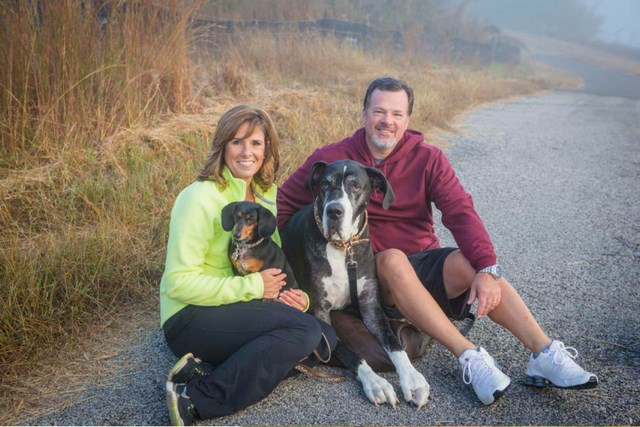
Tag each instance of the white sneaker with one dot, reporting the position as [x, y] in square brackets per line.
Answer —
[555, 367]
[480, 370]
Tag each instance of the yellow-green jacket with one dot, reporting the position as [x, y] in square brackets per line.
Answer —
[197, 269]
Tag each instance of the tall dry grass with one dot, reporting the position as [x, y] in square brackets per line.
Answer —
[80, 207]
[101, 127]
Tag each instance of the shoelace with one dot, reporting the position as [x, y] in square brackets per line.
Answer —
[562, 353]
[199, 369]
[482, 368]
[184, 394]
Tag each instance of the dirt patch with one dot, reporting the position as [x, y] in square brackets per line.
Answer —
[58, 378]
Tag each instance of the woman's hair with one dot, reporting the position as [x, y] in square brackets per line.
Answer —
[226, 130]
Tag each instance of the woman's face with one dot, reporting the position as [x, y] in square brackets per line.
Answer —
[244, 156]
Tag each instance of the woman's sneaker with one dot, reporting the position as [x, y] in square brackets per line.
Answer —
[182, 411]
[187, 368]
[480, 370]
[555, 367]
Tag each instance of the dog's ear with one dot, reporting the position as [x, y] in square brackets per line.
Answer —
[378, 180]
[314, 176]
[227, 216]
[266, 222]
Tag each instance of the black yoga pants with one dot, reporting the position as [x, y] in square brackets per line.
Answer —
[252, 345]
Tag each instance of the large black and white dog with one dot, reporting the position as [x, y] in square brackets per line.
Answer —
[321, 242]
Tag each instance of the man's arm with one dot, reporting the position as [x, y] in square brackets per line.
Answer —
[293, 195]
[459, 215]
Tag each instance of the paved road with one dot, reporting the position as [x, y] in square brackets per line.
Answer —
[557, 180]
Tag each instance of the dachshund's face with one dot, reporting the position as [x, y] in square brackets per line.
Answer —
[246, 224]
[250, 221]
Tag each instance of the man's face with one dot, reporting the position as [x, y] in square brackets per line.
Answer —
[385, 120]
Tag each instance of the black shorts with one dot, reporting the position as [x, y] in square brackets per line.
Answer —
[429, 266]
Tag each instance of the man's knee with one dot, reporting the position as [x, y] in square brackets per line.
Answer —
[391, 262]
[395, 273]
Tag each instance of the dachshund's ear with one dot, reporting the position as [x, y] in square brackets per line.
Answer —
[314, 176]
[266, 222]
[227, 216]
[378, 180]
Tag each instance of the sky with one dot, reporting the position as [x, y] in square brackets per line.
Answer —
[621, 20]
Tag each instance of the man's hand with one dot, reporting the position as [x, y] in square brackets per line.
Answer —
[487, 290]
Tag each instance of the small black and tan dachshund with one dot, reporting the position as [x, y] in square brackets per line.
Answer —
[252, 249]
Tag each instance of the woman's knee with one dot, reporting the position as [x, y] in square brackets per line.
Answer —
[328, 334]
[308, 333]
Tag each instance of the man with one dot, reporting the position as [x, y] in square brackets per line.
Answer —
[419, 280]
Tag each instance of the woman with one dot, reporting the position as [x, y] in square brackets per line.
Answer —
[244, 343]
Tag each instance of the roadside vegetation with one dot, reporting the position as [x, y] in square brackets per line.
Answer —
[102, 123]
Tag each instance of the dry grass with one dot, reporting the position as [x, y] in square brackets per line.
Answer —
[101, 128]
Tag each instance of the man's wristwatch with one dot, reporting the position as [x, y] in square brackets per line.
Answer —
[494, 270]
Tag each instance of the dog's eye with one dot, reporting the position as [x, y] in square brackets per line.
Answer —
[355, 186]
[324, 185]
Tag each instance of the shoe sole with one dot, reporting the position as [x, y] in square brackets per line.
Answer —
[172, 405]
[497, 395]
[178, 366]
[541, 382]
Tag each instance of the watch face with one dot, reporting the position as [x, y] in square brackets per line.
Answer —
[498, 271]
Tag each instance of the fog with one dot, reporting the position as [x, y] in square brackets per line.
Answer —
[614, 21]
[621, 20]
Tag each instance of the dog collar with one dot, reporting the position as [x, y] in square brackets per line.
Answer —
[241, 247]
[346, 246]
[343, 245]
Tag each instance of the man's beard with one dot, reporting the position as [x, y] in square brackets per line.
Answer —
[383, 143]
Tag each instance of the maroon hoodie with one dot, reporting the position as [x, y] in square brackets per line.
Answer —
[419, 174]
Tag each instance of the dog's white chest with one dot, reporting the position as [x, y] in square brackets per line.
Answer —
[336, 285]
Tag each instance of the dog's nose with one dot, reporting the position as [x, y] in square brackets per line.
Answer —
[335, 211]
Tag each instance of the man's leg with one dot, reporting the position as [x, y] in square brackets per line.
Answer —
[400, 286]
[511, 313]
[551, 363]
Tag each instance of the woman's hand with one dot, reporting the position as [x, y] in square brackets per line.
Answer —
[273, 279]
[294, 298]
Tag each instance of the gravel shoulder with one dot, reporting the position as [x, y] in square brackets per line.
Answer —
[555, 177]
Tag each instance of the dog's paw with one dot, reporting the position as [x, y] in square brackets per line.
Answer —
[415, 388]
[377, 389]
